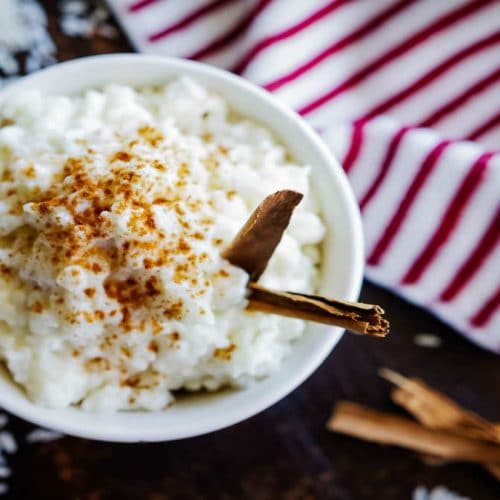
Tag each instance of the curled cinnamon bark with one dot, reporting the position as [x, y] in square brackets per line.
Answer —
[258, 238]
[436, 411]
[354, 316]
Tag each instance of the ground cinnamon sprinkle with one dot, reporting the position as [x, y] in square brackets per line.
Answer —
[147, 263]
[153, 346]
[7, 175]
[151, 135]
[6, 122]
[29, 172]
[132, 292]
[159, 166]
[5, 271]
[89, 316]
[126, 352]
[174, 311]
[37, 308]
[126, 322]
[121, 156]
[156, 326]
[122, 191]
[97, 364]
[174, 338]
[225, 353]
[96, 268]
[150, 221]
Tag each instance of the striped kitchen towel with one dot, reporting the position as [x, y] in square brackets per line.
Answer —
[407, 94]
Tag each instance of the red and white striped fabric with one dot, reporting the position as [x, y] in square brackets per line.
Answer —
[407, 94]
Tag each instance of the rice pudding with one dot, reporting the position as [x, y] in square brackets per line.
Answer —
[115, 207]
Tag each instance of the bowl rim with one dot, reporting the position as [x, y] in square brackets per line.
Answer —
[346, 197]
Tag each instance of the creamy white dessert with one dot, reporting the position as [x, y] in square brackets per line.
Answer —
[114, 209]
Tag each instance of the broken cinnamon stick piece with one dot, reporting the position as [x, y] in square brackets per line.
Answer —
[255, 243]
[355, 316]
[371, 425]
[435, 410]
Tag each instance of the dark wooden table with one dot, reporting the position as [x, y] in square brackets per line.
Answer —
[285, 452]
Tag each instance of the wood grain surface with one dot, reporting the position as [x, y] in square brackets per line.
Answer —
[285, 452]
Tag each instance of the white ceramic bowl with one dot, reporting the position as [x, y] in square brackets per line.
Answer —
[342, 265]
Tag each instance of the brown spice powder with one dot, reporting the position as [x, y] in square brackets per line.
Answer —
[225, 353]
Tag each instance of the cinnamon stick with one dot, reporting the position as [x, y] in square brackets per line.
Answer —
[436, 411]
[253, 247]
[255, 243]
[355, 316]
[361, 422]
